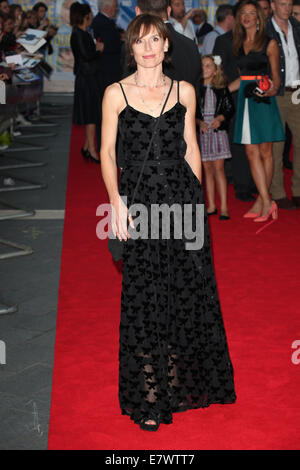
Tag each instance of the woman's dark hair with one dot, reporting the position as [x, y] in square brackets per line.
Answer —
[77, 13]
[39, 5]
[86, 9]
[140, 27]
[239, 33]
[30, 13]
[13, 8]
[8, 17]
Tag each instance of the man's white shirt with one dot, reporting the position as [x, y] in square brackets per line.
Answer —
[188, 31]
[292, 72]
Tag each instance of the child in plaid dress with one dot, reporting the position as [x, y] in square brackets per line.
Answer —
[215, 108]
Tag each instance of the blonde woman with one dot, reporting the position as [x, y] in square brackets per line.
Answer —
[215, 108]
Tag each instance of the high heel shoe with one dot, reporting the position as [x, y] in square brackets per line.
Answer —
[150, 427]
[273, 211]
[213, 212]
[95, 160]
[87, 155]
[252, 215]
[84, 153]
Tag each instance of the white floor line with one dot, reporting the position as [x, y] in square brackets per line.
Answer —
[46, 214]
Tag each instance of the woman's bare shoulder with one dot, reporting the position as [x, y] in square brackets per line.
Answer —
[186, 91]
[113, 91]
[113, 99]
[114, 94]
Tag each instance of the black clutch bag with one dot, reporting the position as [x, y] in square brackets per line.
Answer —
[249, 92]
[116, 246]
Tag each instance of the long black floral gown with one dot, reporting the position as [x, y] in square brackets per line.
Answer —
[173, 353]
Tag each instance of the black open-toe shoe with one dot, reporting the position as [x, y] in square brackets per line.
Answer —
[85, 153]
[213, 212]
[95, 160]
[150, 427]
[88, 156]
[224, 217]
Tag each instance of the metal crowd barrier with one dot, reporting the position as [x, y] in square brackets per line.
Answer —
[16, 94]
[5, 309]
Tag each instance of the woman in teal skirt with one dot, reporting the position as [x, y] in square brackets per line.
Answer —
[258, 121]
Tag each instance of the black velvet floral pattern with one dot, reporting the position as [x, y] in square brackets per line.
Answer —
[173, 353]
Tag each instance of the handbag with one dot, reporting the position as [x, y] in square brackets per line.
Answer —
[264, 83]
[116, 246]
[259, 86]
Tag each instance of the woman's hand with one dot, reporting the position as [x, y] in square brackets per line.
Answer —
[272, 91]
[44, 24]
[119, 219]
[203, 126]
[19, 49]
[215, 124]
[100, 46]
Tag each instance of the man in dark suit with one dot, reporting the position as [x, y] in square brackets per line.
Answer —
[242, 179]
[105, 30]
[185, 59]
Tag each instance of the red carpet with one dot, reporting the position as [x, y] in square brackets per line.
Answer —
[258, 280]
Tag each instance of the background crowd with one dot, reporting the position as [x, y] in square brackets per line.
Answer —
[98, 46]
[14, 21]
[194, 39]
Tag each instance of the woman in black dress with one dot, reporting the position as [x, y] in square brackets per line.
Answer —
[87, 72]
[173, 352]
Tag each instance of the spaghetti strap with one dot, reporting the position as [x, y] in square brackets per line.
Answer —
[177, 91]
[163, 108]
[123, 92]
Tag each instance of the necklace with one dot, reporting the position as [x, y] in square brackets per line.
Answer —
[150, 86]
[152, 110]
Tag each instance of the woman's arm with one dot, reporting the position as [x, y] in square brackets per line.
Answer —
[111, 107]
[85, 47]
[227, 105]
[226, 109]
[235, 85]
[273, 54]
[192, 156]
